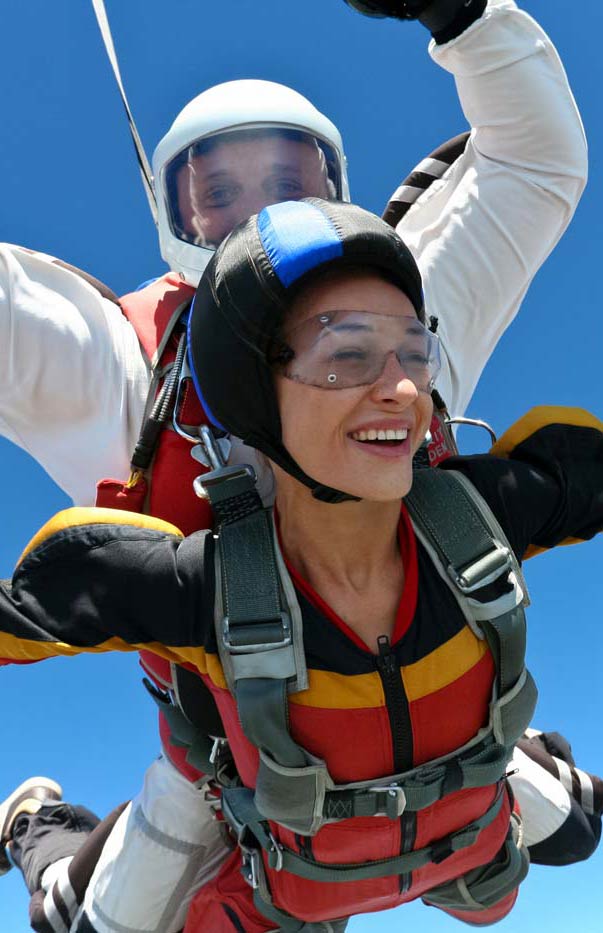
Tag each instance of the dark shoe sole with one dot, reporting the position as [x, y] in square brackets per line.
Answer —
[35, 789]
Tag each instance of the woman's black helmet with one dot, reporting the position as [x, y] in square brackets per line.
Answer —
[243, 296]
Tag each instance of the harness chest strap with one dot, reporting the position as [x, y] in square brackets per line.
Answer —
[241, 812]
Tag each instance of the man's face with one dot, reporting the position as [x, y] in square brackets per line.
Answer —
[239, 177]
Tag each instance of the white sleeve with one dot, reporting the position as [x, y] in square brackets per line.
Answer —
[481, 232]
[73, 380]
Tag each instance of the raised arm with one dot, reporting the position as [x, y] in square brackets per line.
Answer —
[481, 233]
[73, 380]
[485, 230]
[95, 580]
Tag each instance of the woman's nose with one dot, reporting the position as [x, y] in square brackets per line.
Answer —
[394, 383]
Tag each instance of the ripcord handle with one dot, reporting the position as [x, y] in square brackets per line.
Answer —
[143, 162]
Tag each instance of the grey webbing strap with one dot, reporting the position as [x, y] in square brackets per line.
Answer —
[421, 789]
[242, 813]
[263, 710]
[474, 551]
[183, 733]
[506, 637]
[250, 579]
[485, 886]
[461, 536]
[256, 630]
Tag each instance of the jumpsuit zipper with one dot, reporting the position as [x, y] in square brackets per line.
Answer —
[396, 702]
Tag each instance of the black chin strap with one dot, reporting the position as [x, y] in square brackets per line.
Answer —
[280, 455]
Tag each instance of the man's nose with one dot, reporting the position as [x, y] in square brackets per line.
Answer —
[252, 202]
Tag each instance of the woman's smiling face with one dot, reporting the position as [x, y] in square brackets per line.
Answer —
[339, 436]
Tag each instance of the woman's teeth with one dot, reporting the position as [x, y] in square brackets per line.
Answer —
[373, 435]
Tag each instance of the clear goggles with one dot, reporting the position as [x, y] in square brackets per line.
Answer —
[220, 180]
[343, 349]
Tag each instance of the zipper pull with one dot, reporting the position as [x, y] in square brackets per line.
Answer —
[385, 660]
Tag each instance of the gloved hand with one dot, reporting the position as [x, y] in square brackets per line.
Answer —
[445, 19]
[397, 9]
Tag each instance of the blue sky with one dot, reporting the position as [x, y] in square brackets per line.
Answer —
[70, 187]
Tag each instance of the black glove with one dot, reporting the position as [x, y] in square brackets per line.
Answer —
[397, 9]
[445, 19]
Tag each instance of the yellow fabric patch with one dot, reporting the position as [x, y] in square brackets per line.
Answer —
[541, 417]
[22, 649]
[76, 517]
[213, 668]
[444, 665]
[328, 690]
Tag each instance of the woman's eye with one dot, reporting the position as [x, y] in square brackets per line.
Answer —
[351, 353]
[416, 359]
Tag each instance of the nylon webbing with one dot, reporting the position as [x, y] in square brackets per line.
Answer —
[424, 787]
[281, 858]
[461, 536]
[255, 623]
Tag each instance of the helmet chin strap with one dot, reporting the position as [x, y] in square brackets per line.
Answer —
[280, 455]
[143, 162]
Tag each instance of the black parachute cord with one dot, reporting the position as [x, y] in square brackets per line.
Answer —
[161, 412]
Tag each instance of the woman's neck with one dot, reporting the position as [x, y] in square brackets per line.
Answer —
[349, 544]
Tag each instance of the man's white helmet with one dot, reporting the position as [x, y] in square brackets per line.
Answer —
[236, 106]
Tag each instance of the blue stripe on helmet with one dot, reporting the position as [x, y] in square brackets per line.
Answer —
[196, 383]
[297, 237]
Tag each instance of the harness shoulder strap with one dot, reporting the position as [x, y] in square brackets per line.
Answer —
[473, 556]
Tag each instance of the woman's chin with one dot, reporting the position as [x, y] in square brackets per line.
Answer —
[369, 488]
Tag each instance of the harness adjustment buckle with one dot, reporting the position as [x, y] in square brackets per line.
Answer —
[221, 475]
[238, 637]
[487, 568]
[275, 854]
[250, 867]
[216, 750]
[441, 850]
[395, 800]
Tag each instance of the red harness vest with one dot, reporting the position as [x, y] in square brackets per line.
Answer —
[167, 489]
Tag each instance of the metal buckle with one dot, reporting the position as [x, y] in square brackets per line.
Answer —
[487, 568]
[395, 800]
[250, 866]
[475, 422]
[275, 854]
[223, 474]
[254, 648]
[216, 750]
[199, 453]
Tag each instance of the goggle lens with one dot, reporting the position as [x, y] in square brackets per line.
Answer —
[344, 349]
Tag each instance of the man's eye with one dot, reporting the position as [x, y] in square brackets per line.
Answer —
[223, 196]
[287, 188]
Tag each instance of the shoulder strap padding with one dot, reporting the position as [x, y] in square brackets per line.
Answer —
[153, 311]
